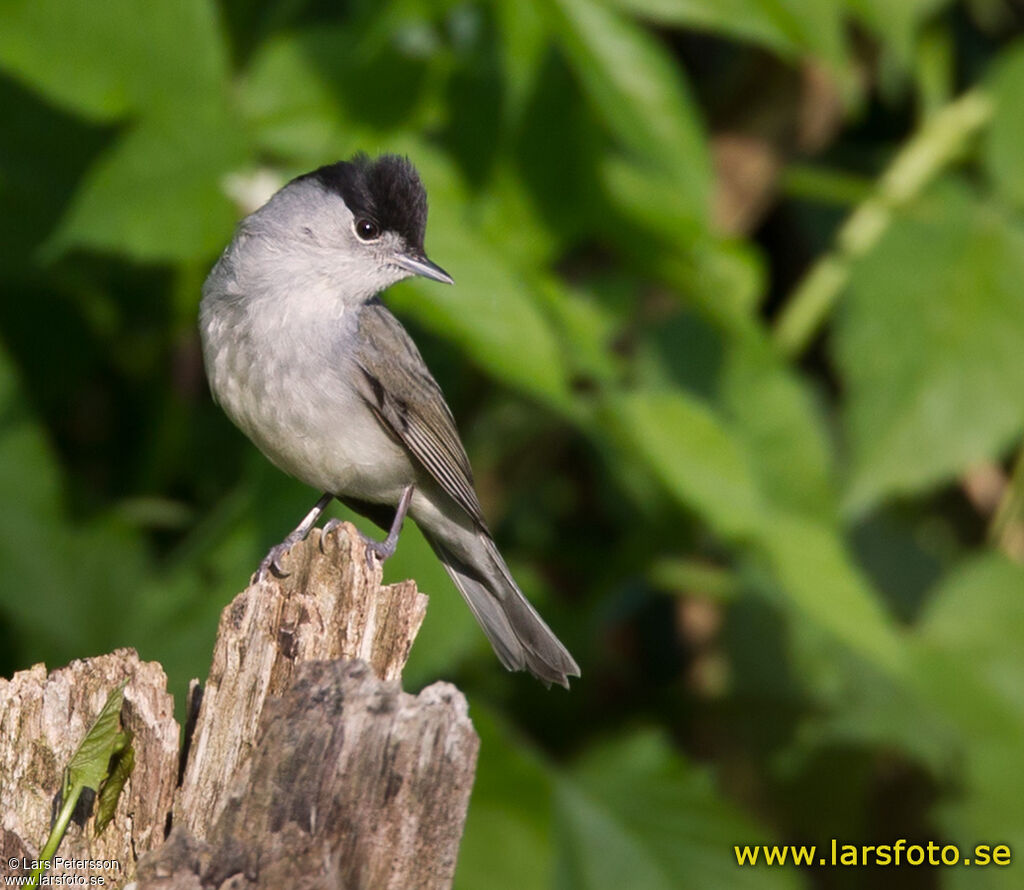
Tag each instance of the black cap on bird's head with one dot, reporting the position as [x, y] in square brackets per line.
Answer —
[386, 190]
[384, 194]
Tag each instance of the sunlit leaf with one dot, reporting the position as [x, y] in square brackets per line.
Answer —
[90, 763]
[105, 59]
[930, 343]
[159, 193]
[817, 575]
[971, 651]
[1002, 153]
[776, 414]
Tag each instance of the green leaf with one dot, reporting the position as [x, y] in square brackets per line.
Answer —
[319, 93]
[776, 416]
[930, 344]
[103, 60]
[637, 90]
[971, 650]
[30, 478]
[90, 764]
[634, 814]
[507, 844]
[789, 27]
[124, 763]
[707, 466]
[158, 194]
[976, 619]
[696, 457]
[813, 567]
[1002, 154]
[289, 108]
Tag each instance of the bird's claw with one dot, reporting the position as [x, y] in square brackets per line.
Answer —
[379, 549]
[271, 563]
[382, 550]
[329, 527]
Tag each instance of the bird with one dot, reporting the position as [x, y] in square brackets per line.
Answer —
[304, 357]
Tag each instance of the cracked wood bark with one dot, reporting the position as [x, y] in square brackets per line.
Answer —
[310, 768]
[43, 718]
[308, 765]
[351, 784]
[330, 606]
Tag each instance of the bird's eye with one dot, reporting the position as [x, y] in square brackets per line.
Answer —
[367, 229]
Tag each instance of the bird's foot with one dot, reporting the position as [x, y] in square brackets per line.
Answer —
[271, 563]
[329, 527]
[382, 550]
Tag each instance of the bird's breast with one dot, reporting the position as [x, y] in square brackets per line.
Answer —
[285, 385]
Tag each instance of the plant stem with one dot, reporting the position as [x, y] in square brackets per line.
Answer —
[56, 835]
[940, 140]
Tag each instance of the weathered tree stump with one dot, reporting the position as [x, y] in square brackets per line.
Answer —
[307, 765]
[43, 718]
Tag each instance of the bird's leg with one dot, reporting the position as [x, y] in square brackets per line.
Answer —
[271, 560]
[383, 550]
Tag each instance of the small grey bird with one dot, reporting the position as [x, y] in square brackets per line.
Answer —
[305, 359]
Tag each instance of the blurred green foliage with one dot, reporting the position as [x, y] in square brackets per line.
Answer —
[742, 470]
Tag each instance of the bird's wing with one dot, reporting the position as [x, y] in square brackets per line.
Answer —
[396, 385]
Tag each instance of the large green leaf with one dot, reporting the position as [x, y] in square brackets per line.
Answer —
[695, 456]
[707, 466]
[813, 567]
[930, 344]
[1002, 150]
[971, 647]
[158, 194]
[633, 814]
[637, 90]
[317, 94]
[35, 583]
[105, 59]
[290, 109]
[776, 415]
[64, 588]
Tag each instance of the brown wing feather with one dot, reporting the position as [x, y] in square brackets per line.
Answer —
[398, 388]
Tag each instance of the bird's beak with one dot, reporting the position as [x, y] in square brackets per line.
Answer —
[420, 265]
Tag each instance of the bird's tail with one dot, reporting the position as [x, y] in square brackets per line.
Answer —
[521, 639]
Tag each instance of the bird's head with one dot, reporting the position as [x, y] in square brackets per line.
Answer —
[358, 224]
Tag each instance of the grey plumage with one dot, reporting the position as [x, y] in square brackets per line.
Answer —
[307, 361]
